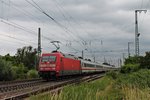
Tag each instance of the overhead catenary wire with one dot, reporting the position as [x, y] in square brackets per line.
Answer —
[17, 26]
[26, 13]
[148, 4]
[52, 18]
[22, 28]
[64, 13]
[76, 22]
[71, 17]
[48, 38]
[42, 11]
[18, 39]
[61, 9]
[10, 41]
[29, 31]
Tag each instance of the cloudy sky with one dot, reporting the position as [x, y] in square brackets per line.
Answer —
[102, 28]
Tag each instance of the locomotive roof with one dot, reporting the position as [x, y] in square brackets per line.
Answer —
[70, 56]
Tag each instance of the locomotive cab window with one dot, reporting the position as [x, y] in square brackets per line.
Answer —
[52, 58]
[48, 59]
[45, 58]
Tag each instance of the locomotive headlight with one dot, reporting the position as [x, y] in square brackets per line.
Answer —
[43, 65]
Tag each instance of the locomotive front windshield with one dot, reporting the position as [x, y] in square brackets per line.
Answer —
[48, 59]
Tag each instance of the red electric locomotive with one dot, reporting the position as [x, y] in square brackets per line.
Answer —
[56, 64]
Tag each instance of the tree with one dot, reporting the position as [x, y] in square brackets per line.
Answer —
[145, 61]
[135, 63]
[27, 56]
[133, 60]
[132, 64]
[9, 58]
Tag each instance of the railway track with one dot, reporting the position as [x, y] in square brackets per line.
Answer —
[18, 81]
[40, 87]
[16, 85]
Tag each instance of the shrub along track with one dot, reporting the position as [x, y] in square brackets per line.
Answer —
[42, 86]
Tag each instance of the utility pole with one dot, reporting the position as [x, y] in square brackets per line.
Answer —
[39, 42]
[136, 32]
[129, 49]
[38, 49]
[119, 62]
[105, 60]
[123, 58]
[94, 59]
[82, 54]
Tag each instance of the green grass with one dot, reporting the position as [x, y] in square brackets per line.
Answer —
[114, 86]
[98, 90]
[134, 93]
[140, 79]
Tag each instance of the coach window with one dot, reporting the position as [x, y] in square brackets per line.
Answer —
[82, 64]
[85, 65]
[92, 65]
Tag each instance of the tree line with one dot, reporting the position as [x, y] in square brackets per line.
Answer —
[136, 63]
[20, 66]
[24, 63]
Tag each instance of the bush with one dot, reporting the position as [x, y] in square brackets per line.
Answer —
[6, 72]
[20, 71]
[32, 74]
[133, 60]
[130, 68]
[112, 74]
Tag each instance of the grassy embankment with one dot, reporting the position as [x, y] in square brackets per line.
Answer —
[114, 86]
